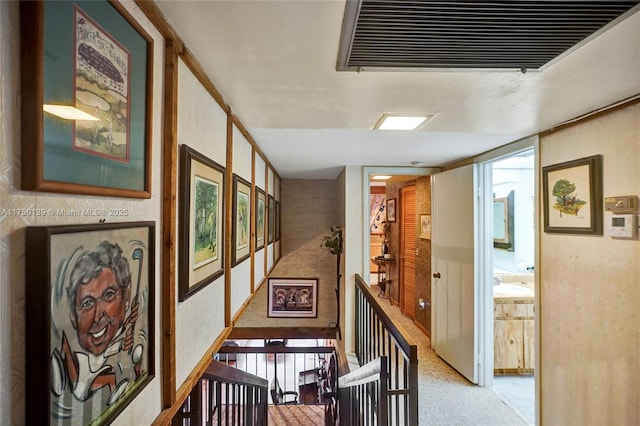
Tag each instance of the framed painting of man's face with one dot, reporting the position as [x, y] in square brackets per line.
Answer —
[90, 320]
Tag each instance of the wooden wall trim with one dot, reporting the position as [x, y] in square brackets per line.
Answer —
[195, 67]
[228, 232]
[169, 194]
[252, 222]
[593, 114]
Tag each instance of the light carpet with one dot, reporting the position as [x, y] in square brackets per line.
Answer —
[446, 397]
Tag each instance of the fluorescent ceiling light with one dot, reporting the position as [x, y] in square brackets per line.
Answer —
[381, 177]
[68, 112]
[389, 121]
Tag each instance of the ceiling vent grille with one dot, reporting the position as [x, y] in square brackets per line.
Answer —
[468, 34]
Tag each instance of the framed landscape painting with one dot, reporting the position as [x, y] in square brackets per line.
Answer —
[293, 298]
[572, 195]
[86, 99]
[241, 218]
[90, 332]
[201, 221]
[261, 216]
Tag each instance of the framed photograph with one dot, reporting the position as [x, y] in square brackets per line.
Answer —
[241, 217]
[391, 210]
[261, 216]
[271, 217]
[90, 320]
[201, 221]
[572, 194]
[293, 298]
[86, 86]
[425, 226]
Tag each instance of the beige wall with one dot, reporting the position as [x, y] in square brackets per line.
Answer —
[423, 258]
[309, 210]
[146, 406]
[590, 290]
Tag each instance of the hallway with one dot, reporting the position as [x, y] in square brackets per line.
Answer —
[445, 397]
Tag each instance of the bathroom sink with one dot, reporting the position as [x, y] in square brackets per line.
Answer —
[511, 290]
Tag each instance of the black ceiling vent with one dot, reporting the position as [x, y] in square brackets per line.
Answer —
[468, 34]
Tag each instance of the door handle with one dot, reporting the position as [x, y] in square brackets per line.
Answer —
[436, 275]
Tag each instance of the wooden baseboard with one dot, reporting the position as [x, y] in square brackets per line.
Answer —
[421, 328]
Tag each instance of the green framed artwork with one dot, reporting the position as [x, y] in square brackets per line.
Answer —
[572, 195]
[201, 221]
[90, 334]
[241, 218]
[261, 216]
[86, 99]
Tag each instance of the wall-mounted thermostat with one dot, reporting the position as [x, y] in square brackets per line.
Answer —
[625, 204]
[621, 225]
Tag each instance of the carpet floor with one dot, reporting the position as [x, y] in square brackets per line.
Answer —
[298, 415]
[445, 397]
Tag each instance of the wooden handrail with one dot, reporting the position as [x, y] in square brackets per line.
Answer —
[389, 325]
[276, 349]
[222, 372]
[377, 336]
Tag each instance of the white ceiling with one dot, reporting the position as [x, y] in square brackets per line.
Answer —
[274, 64]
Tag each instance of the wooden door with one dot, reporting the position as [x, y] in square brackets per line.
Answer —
[408, 251]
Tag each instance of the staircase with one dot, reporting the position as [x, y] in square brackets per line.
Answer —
[298, 415]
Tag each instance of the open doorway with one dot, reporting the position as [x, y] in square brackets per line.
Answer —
[512, 259]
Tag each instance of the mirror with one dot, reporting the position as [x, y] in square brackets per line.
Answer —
[503, 222]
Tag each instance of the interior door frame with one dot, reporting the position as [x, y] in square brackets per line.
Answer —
[367, 172]
[485, 264]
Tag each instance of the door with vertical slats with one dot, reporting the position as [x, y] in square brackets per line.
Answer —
[408, 232]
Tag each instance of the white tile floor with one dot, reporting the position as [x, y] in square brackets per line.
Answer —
[519, 392]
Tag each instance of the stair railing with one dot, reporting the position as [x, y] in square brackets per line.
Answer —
[377, 336]
[288, 364]
[363, 395]
[225, 396]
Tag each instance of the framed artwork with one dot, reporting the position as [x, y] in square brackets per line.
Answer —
[86, 86]
[277, 220]
[377, 213]
[261, 216]
[425, 226]
[241, 217]
[391, 210]
[271, 217]
[293, 298]
[572, 194]
[201, 221]
[90, 320]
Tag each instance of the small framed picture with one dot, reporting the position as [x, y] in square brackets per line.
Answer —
[261, 216]
[572, 194]
[425, 226]
[241, 216]
[293, 298]
[391, 210]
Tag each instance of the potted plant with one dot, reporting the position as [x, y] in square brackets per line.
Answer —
[333, 243]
